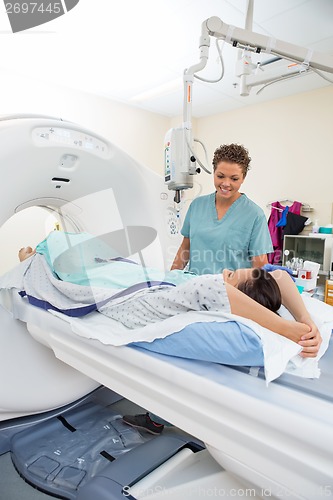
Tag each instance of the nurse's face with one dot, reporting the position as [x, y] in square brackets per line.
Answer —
[228, 178]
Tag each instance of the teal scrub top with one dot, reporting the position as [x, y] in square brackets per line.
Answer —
[84, 259]
[228, 243]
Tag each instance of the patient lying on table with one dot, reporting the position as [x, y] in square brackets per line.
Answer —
[251, 293]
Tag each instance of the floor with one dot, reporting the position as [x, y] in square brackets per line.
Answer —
[14, 487]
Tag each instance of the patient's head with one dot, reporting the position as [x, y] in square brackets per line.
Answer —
[263, 288]
[257, 284]
[25, 253]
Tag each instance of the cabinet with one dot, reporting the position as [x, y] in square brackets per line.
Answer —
[313, 248]
[329, 292]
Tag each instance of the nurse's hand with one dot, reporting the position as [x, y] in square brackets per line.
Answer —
[25, 253]
[272, 267]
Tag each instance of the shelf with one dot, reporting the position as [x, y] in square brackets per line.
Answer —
[315, 248]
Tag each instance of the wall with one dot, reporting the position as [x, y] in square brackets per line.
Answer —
[289, 141]
[138, 132]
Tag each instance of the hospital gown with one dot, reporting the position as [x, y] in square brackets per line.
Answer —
[201, 293]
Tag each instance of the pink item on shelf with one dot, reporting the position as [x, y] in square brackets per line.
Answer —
[277, 232]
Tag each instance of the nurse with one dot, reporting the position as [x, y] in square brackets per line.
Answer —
[224, 229]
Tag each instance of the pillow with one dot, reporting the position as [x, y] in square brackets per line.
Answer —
[227, 343]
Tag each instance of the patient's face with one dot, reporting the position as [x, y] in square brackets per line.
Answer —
[236, 277]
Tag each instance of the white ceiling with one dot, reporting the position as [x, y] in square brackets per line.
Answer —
[122, 49]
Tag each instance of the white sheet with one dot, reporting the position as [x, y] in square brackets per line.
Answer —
[280, 354]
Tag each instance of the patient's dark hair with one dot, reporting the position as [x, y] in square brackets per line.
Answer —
[262, 288]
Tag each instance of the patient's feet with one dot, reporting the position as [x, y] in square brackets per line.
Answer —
[144, 422]
[25, 253]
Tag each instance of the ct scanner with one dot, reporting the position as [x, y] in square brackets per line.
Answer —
[77, 177]
[275, 441]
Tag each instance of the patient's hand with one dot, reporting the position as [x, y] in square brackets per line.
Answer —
[306, 335]
[310, 341]
[25, 253]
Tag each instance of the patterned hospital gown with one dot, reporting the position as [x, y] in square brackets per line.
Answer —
[202, 293]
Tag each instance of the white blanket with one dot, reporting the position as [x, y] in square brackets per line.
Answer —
[280, 353]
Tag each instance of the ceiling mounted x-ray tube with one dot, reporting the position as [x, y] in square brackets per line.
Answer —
[189, 73]
[179, 158]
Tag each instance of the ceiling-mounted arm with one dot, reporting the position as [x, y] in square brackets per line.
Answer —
[255, 42]
[189, 73]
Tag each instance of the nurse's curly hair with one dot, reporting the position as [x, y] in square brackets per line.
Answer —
[233, 153]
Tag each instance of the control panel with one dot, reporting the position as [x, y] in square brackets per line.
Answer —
[46, 136]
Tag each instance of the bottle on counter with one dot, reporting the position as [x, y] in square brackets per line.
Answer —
[315, 227]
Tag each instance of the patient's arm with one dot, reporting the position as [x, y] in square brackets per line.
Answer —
[297, 331]
[292, 300]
